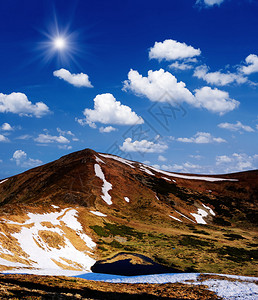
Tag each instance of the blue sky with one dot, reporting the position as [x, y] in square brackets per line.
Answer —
[170, 83]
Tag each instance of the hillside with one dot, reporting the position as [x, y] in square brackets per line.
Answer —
[87, 207]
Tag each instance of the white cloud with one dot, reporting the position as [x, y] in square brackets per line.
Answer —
[223, 159]
[107, 129]
[158, 86]
[6, 127]
[218, 78]
[47, 138]
[186, 167]
[24, 137]
[65, 147]
[3, 138]
[237, 162]
[252, 64]
[162, 86]
[109, 111]
[20, 157]
[18, 103]
[63, 132]
[143, 146]
[172, 50]
[180, 66]
[215, 100]
[162, 158]
[201, 138]
[238, 126]
[78, 80]
[209, 3]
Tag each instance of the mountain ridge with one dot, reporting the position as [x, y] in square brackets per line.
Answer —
[96, 205]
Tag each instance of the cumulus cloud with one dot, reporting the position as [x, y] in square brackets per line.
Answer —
[107, 110]
[218, 78]
[238, 126]
[252, 65]
[3, 138]
[18, 103]
[201, 138]
[156, 85]
[143, 146]
[107, 129]
[237, 162]
[21, 159]
[47, 139]
[6, 127]
[172, 50]
[162, 86]
[215, 100]
[162, 158]
[209, 3]
[78, 80]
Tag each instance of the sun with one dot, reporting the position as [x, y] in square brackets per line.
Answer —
[60, 43]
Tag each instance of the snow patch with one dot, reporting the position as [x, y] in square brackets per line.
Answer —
[41, 253]
[120, 159]
[98, 160]
[106, 185]
[226, 289]
[211, 179]
[55, 206]
[144, 169]
[98, 213]
[175, 218]
[127, 199]
[3, 181]
[184, 216]
[166, 178]
[209, 209]
[200, 215]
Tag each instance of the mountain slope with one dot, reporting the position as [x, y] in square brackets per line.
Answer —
[88, 206]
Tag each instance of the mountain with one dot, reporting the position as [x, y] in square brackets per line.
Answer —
[88, 206]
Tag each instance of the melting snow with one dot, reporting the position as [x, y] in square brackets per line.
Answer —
[98, 213]
[226, 289]
[208, 208]
[192, 177]
[200, 215]
[166, 178]
[120, 159]
[175, 218]
[144, 169]
[98, 160]
[127, 199]
[54, 206]
[40, 252]
[184, 216]
[3, 181]
[106, 185]
[71, 221]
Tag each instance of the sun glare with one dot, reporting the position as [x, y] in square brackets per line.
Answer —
[60, 43]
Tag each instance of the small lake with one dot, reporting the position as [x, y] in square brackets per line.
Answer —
[125, 267]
